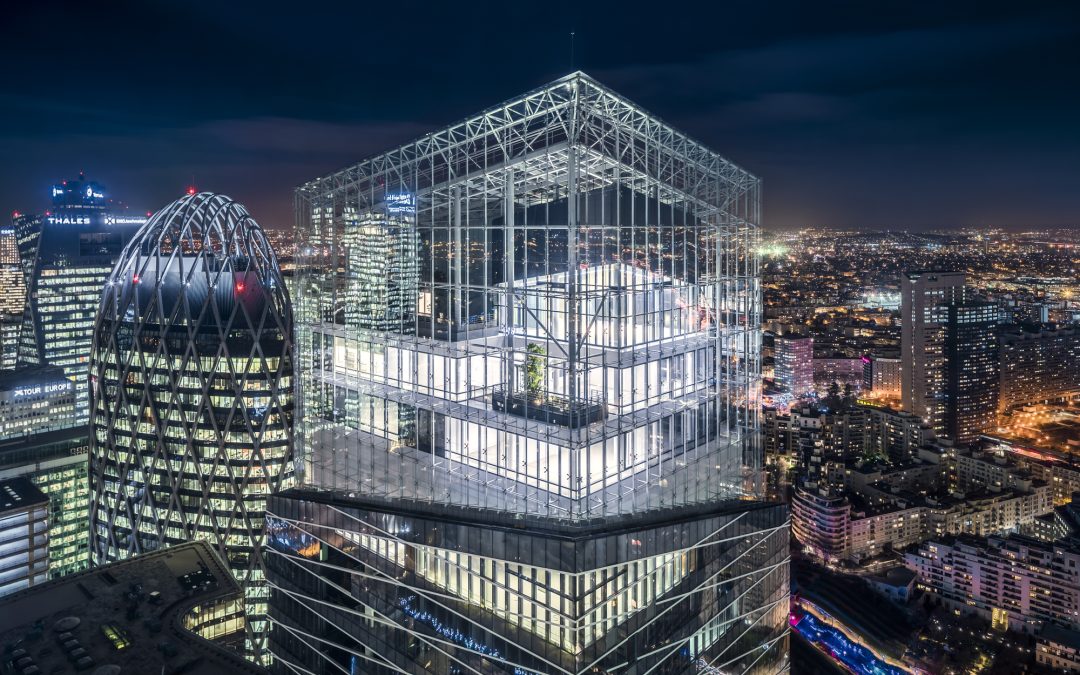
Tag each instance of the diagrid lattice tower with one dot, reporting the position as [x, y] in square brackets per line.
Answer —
[192, 395]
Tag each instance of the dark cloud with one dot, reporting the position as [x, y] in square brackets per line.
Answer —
[877, 114]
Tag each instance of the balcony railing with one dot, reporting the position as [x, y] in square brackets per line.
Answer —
[549, 408]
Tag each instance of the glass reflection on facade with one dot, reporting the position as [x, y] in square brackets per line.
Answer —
[192, 394]
[530, 381]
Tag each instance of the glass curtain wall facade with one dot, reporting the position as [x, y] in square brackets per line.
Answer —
[12, 297]
[40, 440]
[192, 395]
[67, 254]
[24, 536]
[529, 371]
[55, 462]
[973, 379]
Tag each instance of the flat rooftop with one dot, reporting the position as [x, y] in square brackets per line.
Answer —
[127, 615]
[19, 493]
[1061, 636]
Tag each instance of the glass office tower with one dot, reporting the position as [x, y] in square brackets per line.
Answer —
[192, 394]
[972, 373]
[12, 297]
[529, 379]
[67, 255]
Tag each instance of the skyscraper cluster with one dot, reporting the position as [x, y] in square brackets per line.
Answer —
[514, 430]
[52, 269]
[67, 254]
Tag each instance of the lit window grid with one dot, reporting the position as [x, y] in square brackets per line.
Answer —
[36, 413]
[24, 548]
[732, 592]
[59, 330]
[517, 592]
[69, 501]
[1034, 582]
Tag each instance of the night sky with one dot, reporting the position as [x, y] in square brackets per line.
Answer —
[874, 114]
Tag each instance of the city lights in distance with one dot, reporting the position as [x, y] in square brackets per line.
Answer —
[772, 250]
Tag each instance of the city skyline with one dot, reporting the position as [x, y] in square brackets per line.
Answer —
[855, 115]
[875, 480]
[572, 339]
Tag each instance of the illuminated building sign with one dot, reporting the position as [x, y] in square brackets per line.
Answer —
[68, 220]
[400, 202]
[37, 389]
[89, 193]
[999, 619]
[87, 220]
[125, 220]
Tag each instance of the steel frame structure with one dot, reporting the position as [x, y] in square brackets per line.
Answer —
[549, 311]
[478, 185]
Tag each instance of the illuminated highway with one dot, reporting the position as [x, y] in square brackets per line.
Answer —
[853, 657]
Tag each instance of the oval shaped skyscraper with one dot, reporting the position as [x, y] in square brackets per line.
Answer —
[192, 395]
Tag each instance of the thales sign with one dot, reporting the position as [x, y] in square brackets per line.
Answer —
[68, 220]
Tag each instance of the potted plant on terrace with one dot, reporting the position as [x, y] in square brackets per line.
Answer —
[536, 403]
[534, 372]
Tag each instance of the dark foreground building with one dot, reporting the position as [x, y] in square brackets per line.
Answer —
[192, 393]
[24, 535]
[530, 386]
[143, 615]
